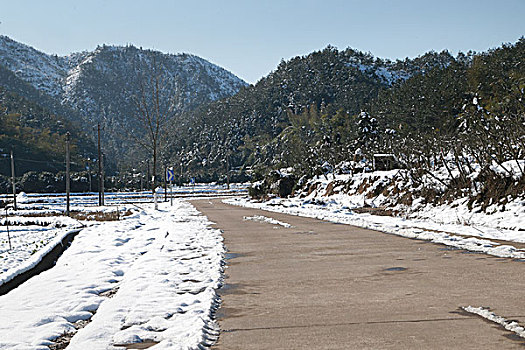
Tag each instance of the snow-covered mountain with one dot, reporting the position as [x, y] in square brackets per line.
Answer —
[102, 85]
[44, 72]
[112, 74]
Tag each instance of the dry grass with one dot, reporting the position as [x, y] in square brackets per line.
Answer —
[41, 215]
[99, 216]
[381, 211]
[86, 215]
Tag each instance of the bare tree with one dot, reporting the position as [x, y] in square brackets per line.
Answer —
[155, 106]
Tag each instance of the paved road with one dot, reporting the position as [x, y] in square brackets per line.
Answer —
[322, 285]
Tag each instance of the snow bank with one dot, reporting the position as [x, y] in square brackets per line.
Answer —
[512, 326]
[381, 190]
[22, 198]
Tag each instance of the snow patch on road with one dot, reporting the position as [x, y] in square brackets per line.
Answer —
[512, 326]
[261, 218]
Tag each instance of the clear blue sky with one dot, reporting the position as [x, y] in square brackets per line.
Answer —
[250, 38]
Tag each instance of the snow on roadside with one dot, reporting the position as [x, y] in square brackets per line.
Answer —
[22, 260]
[416, 229]
[39, 224]
[348, 192]
[260, 218]
[31, 239]
[512, 326]
[150, 277]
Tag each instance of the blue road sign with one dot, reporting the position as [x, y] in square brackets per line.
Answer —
[170, 175]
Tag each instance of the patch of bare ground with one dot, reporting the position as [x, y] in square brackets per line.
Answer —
[32, 223]
[100, 216]
[142, 345]
[381, 211]
[87, 215]
[62, 342]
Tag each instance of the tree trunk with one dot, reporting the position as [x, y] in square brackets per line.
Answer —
[154, 176]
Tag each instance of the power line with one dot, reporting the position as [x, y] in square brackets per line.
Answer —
[40, 161]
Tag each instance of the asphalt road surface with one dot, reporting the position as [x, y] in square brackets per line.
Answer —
[321, 285]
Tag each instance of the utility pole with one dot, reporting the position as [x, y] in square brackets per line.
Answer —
[68, 140]
[102, 177]
[228, 170]
[165, 183]
[148, 179]
[7, 227]
[13, 179]
[100, 181]
[89, 172]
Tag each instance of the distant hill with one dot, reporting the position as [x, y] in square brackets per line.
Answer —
[100, 86]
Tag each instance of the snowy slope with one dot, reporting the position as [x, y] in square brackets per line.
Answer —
[109, 76]
[71, 77]
[44, 72]
[389, 72]
[60, 75]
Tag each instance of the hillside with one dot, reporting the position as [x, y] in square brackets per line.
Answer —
[318, 113]
[37, 137]
[241, 128]
[11, 82]
[455, 134]
[103, 85]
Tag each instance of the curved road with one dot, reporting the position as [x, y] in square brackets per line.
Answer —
[321, 285]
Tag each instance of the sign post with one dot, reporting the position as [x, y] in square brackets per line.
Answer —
[170, 176]
[13, 179]
[7, 227]
[165, 184]
[68, 186]
[154, 193]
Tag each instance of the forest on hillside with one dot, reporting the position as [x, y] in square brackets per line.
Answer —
[37, 137]
[317, 113]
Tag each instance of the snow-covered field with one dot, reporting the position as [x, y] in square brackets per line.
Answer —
[113, 198]
[37, 227]
[39, 223]
[451, 224]
[149, 276]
